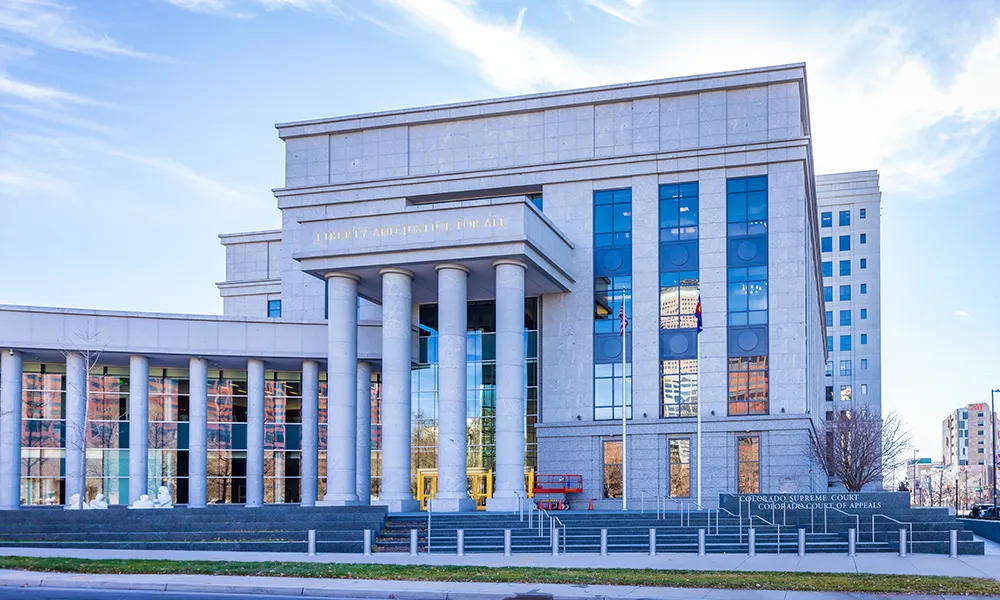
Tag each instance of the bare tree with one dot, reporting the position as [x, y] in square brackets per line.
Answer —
[86, 344]
[859, 446]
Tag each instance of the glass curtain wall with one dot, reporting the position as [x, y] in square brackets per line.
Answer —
[480, 390]
[43, 405]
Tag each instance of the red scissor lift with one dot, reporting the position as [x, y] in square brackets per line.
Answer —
[550, 490]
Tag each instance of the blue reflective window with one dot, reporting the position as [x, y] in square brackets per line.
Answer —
[864, 238]
[864, 339]
[864, 364]
[536, 199]
[845, 218]
[829, 318]
[829, 343]
[679, 212]
[827, 268]
[826, 244]
[845, 242]
[845, 267]
[864, 314]
[845, 318]
[827, 293]
[845, 292]
[863, 213]
[746, 205]
[845, 342]
[274, 309]
[826, 219]
[864, 263]
[864, 288]
[747, 295]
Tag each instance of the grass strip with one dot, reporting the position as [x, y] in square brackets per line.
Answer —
[737, 580]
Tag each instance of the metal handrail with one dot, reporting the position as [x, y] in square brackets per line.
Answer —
[752, 517]
[894, 521]
[552, 521]
[732, 514]
[430, 502]
[857, 519]
[642, 502]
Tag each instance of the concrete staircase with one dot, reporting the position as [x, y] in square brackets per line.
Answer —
[629, 532]
[270, 528]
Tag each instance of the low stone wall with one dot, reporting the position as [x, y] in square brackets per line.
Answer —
[987, 528]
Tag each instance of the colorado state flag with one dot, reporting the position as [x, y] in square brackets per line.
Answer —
[697, 313]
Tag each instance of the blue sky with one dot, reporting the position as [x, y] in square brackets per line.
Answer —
[132, 132]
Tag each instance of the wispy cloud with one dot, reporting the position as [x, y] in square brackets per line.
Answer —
[40, 93]
[506, 55]
[55, 25]
[961, 314]
[243, 8]
[629, 11]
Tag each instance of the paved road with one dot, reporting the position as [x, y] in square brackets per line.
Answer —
[41, 593]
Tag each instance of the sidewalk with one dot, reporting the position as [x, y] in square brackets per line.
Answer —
[915, 564]
[409, 590]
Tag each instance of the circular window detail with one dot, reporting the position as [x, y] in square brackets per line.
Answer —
[612, 260]
[678, 344]
[612, 348]
[678, 255]
[747, 250]
[747, 341]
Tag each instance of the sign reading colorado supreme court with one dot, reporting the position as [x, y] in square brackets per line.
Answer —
[857, 502]
[488, 222]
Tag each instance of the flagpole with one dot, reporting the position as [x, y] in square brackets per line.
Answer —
[624, 407]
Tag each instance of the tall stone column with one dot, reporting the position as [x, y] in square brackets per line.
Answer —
[255, 433]
[397, 351]
[198, 433]
[452, 491]
[310, 432]
[138, 427]
[364, 433]
[510, 386]
[76, 426]
[342, 394]
[10, 429]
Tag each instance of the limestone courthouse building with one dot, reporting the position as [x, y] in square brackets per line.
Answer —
[440, 314]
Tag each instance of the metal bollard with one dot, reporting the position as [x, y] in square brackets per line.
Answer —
[311, 546]
[652, 541]
[460, 543]
[367, 549]
[413, 542]
[902, 542]
[506, 542]
[802, 541]
[701, 542]
[852, 542]
[752, 542]
[954, 544]
[554, 534]
[604, 542]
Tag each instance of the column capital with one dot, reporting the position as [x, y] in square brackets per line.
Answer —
[455, 266]
[396, 270]
[341, 274]
[510, 261]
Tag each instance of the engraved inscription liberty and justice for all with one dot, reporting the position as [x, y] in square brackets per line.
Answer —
[360, 233]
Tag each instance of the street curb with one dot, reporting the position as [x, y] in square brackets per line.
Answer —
[292, 590]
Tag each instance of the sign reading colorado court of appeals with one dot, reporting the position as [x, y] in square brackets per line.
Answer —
[487, 222]
[847, 501]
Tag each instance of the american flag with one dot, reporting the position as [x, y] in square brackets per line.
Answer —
[624, 320]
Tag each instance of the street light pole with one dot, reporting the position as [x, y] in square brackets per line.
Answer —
[993, 433]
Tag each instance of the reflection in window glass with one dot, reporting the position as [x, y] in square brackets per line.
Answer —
[748, 385]
[612, 469]
[680, 468]
[748, 464]
[679, 380]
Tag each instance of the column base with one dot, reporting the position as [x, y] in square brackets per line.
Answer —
[508, 504]
[398, 506]
[338, 502]
[453, 505]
